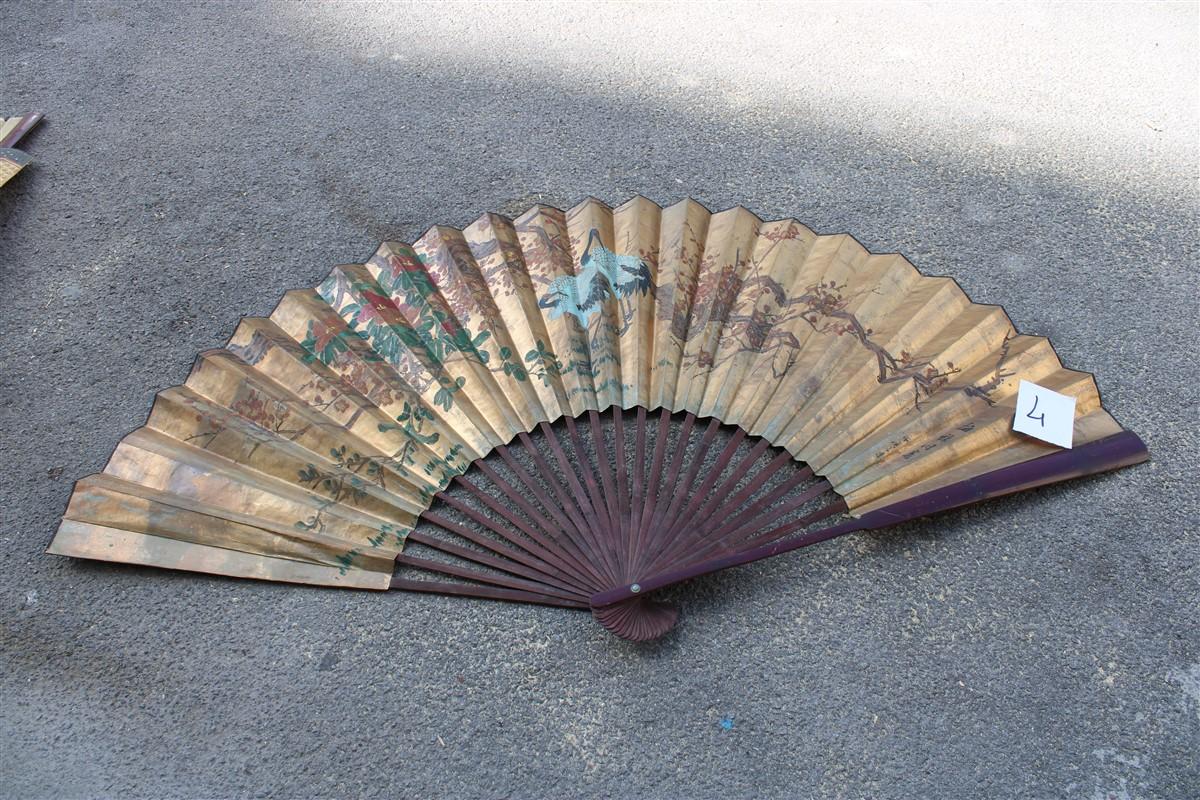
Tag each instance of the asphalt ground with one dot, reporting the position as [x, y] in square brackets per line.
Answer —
[197, 160]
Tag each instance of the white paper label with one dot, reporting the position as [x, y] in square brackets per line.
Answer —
[1045, 414]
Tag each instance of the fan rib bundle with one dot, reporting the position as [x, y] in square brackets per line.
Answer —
[662, 392]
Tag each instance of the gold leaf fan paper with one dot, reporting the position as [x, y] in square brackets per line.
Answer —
[12, 130]
[662, 392]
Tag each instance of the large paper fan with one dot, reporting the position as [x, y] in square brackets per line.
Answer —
[579, 408]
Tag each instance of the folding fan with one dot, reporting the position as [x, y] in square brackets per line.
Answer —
[11, 131]
[623, 399]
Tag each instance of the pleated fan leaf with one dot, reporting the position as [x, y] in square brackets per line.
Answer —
[579, 408]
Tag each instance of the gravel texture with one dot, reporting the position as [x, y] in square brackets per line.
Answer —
[199, 160]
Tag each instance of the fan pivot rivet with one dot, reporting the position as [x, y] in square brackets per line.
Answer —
[635, 588]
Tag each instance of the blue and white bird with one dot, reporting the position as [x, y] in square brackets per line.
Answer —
[601, 273]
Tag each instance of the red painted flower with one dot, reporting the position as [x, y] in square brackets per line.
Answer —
[322, 335]
[403, 263]
[373, 308]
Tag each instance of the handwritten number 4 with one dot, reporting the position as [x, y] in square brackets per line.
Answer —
[1040, 417]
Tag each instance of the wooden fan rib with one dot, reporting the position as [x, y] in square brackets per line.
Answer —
[585, 497]
[733, 536]
[729, 483]
[654, 480]
[537, 521]
[605, 535]
[535, 544]
[608, 493]
[515, 584]
[669, 480]
[592, 529]
[683, 488]
[743, 495]
[832, 508]
[623, 491]
[636, 489]
[516, 552]
[703, 494]
[483, 592]
[1112, 452]
[576, 529]
[493, 561]
[720, 504]
[724, 528]
[550, 535]
[565, 527]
